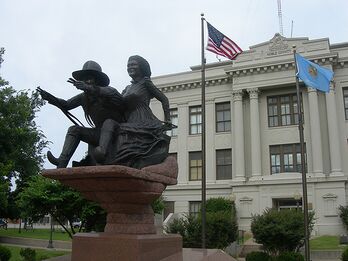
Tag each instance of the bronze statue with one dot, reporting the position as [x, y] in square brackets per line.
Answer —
[124, 130]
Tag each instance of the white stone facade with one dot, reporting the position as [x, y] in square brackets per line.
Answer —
[265, 70]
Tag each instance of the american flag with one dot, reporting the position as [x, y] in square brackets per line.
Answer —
[221, 45]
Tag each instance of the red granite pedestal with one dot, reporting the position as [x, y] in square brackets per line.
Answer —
[126, 194]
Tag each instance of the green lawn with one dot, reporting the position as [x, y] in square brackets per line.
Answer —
[36, 233]
[41, 254]
[325, 243]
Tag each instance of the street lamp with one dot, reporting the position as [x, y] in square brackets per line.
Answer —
[50, 242]
[297, 197]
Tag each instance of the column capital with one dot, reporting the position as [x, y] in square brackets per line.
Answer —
[332, 87]
[310, 89]
[253, 93]
[237, 95]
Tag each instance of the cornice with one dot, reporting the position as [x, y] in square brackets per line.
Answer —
[194, 84]
[278, 66]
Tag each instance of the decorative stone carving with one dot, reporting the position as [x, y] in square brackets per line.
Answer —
[237, 95]
[278, 45]
[253, 93]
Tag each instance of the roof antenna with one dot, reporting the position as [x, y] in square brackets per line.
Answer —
[280, 17]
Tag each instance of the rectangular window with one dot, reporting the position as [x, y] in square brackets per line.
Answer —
[285, 158]
[195, 165]
[223, 117]
[345, 100]
[173, 120]
[195, 120]
[194, 208]
[282, 110]
[223, 164]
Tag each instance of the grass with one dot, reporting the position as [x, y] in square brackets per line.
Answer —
[41, 254]
[325, 243]
[36, 233]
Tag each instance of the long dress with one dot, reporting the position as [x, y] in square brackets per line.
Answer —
[141, 141]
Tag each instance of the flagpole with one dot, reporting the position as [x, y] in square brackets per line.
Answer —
[303, 167]
[203, 139]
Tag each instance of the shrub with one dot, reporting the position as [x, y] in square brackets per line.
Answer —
[343, 211]
[5, 253]
[28, 254]
[221, 230]
[345, 254]
[221, 225]
[280, 231]
[290, 256]
[258, 256]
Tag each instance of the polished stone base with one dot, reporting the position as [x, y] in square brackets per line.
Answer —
[111, 247]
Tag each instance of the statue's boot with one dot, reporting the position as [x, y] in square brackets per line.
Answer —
[70, 144]
[104, 142]
[107, 133]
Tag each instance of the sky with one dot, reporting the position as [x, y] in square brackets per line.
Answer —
[46, 40]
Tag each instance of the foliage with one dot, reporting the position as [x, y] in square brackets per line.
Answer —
[5, 253]
[345, 254]
[158, 205]
[257, 256]
[41, 254]
[221, 226]
[280, 231]
[290, 256]
[43, 196]
[219, 204]
[28, 254]
[21, 141]
[343, 212]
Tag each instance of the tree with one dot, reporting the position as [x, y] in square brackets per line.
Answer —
[221, 225]
[43, 196]
[21, 141]
[280, 231]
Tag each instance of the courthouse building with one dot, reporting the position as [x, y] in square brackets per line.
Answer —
[252, 138]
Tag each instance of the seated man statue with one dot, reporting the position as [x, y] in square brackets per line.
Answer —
[103, 107]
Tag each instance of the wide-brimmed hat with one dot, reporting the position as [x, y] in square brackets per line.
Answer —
[94, 69]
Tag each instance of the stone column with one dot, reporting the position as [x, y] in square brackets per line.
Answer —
[314, 121]
[183, 122]
[255, 133]
[238, 140]
[210, 141]
[334, 140]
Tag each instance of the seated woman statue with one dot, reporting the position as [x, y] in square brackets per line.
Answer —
[141, 140]
[103, 107]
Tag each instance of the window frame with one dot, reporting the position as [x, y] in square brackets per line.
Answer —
[226, 166]
[226, 123]
[198, 166]
[198, 115]
[193, 205]
[290, 115]
[345, 98]
[173, 112]
[293, 152]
